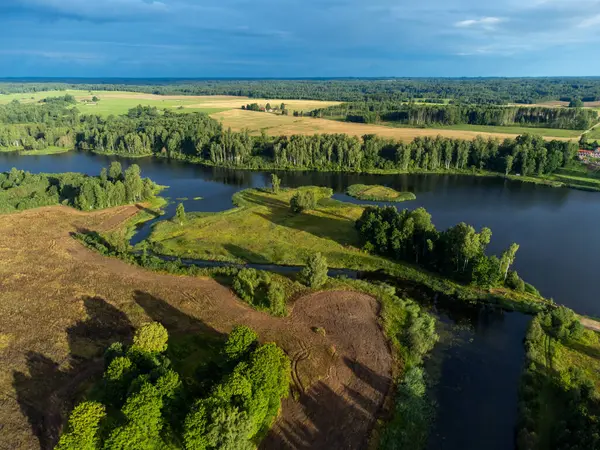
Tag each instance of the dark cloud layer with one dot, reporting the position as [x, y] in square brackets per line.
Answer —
[298, 38]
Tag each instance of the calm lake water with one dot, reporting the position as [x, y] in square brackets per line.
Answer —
[479, 363]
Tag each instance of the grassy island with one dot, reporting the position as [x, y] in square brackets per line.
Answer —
[263, 229]
[378, 193]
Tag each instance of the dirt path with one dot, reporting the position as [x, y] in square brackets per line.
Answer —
[61, 305]
[590, 323]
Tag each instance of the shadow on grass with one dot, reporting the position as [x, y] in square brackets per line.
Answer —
[245, 254]
[585, 349]
[47, 393]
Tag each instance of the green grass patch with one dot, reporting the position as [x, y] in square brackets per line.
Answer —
[378, 193]
[45, 151]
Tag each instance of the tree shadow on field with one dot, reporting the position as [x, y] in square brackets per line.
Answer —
[174, 320]
[379, 383]
[245, 254]
[333, 420]
[47, 393]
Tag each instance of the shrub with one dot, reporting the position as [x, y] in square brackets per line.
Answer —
[240, 341]
[515, 282]
[302, 201]
[276, 298]
[246, 283]
[314, 274]
[151, 338]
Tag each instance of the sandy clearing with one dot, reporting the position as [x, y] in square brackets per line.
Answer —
[61, 304]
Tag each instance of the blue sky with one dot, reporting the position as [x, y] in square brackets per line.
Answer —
[299, 38]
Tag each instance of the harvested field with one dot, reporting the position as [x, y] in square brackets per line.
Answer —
[62, 304]
[287, 125]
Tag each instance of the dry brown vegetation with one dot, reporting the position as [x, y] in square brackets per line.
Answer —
[277, 125]
[62, 304]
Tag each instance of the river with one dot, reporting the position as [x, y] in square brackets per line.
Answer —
[480, 358]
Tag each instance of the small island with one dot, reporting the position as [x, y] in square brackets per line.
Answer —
[378, 193]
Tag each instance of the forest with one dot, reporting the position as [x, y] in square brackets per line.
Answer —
[495, 91]
[426, 115]
[21, 190]
[147, 399]
[199, 138]
[458, 252]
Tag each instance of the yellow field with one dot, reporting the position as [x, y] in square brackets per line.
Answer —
[273, 124]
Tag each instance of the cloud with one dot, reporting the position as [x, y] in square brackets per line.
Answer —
[484, 22]
[590, 22]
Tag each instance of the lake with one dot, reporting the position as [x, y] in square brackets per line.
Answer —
[480, 359]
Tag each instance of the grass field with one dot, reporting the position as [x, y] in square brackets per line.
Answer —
[46, 151]
[378, 193]
[547, 132]
[119, 102]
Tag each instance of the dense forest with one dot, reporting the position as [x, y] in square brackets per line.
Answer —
[21, 190]
[458, 252]
[148, 399]
[467, 90]
[424, 115]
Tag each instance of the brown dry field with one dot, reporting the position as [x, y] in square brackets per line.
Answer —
[62, 304]
[277, 125]
[566, 104]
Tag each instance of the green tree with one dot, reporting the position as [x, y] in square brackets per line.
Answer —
[115, 171]
[275, 183]
[314, 273]
[133, 183]
[151, 338]
[576, 103]
[302, 201]
[240, 341]
[83, 428]
[508, 259]
[180, 214]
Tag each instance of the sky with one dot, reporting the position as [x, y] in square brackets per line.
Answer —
[299, 38]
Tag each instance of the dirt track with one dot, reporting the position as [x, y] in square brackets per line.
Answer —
[61, 304]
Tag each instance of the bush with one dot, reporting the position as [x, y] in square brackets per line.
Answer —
[276, 297]
[240, 341]
[530, 289]
[83, 428]
[302, 201]
[513, 281]
[151, 338]
[314, 274]
[246, 283]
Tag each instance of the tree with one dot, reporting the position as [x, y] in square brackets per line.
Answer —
[282, 106]
[303, 200]
[115, 171]
[576, 103]
[508, 164]
[314, 273]
[83, 428]
[133, 183]
[275, 183]
[151, 338]
[508, 258]
[95, 99]
[268, 107]
[240, 341]
[180, 214]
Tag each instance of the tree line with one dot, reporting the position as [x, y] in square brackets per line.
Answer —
[458, 252]
[21, 190]
[474, 90]
[144, 403]
[198, 138]
[426, 115]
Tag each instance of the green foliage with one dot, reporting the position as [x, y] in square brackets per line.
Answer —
[180, 214]
[302, 201]
[151, 338]
[115, 171]
[260, 290]
[378, 193]
[515, 282]
[275, 183]
[22, 190]
[458, 252]
[449, 114]
[314, 274]
[240, 398]
[83, 430]
[241, 340]
[558, 405]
